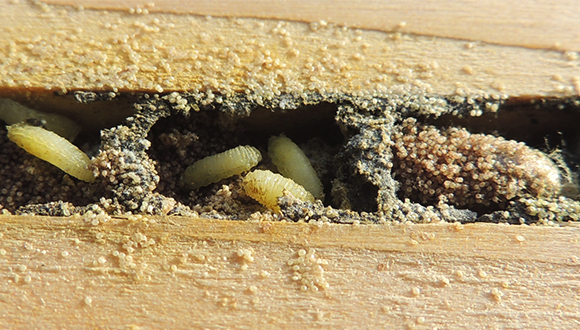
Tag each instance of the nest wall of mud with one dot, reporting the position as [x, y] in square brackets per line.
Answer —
[383, 158]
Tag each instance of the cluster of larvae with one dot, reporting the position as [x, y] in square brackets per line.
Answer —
[298, 176]
[465, 169]
[48, 137]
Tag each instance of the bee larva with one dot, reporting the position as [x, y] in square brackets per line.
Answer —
[266, 187]
[293, 163]
[220, 166]
[12, 112]
[52, 148]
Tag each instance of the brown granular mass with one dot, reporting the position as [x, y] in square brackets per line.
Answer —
[468, 169]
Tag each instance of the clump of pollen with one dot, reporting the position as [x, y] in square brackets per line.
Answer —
[468, 169]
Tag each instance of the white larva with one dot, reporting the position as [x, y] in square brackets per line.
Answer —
[293, 163]
[52, 148]
[266, 187]
[221, 166]
[12, 112]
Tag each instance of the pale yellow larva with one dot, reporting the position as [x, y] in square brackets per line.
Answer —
[12, 112]
[266, 187]
[220, 166]
[52, 148]
[293, 163]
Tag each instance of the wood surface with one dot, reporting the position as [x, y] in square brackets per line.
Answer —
[52, 48]
[191, 273]
[527, 23]
[66, 273]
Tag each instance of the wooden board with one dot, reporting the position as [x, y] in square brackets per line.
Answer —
[518, 23]
[51, 48]
[65, 272]
[202, 273]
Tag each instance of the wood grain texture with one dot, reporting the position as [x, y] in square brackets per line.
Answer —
[51, 48]
[191, 273]
[63, 272]
[528, 23]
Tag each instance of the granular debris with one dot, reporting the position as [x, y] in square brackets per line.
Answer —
[308, 270]
[372, 153]
[468, 169]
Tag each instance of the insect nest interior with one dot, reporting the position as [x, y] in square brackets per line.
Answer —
[386, 158]
[184, 138]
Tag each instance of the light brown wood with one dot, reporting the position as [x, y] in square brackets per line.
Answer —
[527, 23]
[48, 48]
[64, 272]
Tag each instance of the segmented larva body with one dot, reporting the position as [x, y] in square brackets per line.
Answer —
[293, 163]
[266, 187]
[220, 166]
[52, 148]
[12, 112]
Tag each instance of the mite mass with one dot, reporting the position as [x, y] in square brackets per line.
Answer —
[468, 169]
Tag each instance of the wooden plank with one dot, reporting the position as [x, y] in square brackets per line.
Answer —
[64, 272]
[517, 23]
[51, 48]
